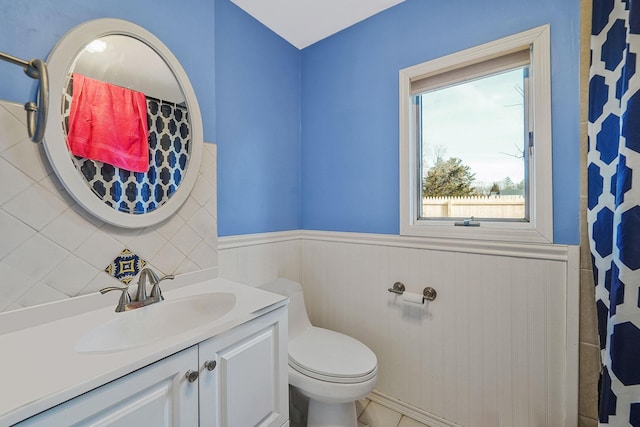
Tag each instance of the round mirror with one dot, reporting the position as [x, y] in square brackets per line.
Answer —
[125, 138]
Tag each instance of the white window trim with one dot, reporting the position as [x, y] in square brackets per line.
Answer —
[539, 229]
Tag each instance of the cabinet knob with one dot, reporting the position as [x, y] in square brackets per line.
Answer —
[191, 376]
[210, 365]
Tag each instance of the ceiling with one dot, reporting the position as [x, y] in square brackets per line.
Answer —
[304, 22]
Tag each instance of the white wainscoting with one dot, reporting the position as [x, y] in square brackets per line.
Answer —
[498, 347]
[254, 259]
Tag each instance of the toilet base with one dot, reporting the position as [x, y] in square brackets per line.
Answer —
[323, 414]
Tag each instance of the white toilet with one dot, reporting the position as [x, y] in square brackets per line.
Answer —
[332, 369]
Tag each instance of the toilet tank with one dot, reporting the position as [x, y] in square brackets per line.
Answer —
[298, 318]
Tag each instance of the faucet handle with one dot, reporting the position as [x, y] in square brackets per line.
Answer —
[156, 292]
[125, 298]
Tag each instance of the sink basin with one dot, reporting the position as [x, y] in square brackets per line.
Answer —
[154, 322]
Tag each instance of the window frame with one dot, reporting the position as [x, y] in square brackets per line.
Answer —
[539, 228]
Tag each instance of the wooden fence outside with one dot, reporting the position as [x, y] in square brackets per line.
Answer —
[477, 206]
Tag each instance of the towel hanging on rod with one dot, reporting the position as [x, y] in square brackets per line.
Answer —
[36, 69]
[108, 123]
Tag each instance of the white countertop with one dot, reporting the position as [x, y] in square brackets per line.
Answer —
[39, 367]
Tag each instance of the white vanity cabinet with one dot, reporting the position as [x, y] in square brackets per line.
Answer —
[157, 395]
[241, 382]
[249, 384]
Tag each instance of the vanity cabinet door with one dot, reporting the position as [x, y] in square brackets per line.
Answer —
[157, 395]
[248, 385]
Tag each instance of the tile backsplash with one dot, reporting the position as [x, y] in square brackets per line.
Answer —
[51, 248]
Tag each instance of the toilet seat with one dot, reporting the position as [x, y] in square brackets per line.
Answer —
[331, 356]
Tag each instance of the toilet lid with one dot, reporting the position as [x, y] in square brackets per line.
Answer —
[331, 356]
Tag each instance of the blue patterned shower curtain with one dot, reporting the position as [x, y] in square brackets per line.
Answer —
[614, 204]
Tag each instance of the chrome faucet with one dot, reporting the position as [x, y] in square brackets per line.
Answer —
[146, 275]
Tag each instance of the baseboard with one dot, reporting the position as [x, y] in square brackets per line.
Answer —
[409, 410]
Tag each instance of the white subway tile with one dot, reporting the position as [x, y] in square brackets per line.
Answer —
[88, 216]
[69, 230]
[13, 232]
[53, 245]
[168, 259]
[14, 181]
[28, 158]
[41, 293]
[12, 130]
[52, 184]
[212, 208]
[169, 227]
[4, 303]
[189, 208]
[187, 266]
[210, 177]
[204, 256]
[208, 157]
[186, 239]
[16, 110]
[99, 250]
[202, 191]
[14, 282]
[101, 280]
[121, 234]
[71, 275]
[36, 257]
[205, 225]
[147, 243]
[35, 206]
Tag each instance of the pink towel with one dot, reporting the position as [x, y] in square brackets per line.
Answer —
[109, 123]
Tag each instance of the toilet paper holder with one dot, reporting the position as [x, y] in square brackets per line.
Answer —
[428, 293]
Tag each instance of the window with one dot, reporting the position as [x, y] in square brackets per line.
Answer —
[475, 143]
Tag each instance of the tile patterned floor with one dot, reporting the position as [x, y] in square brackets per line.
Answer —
[372, 414]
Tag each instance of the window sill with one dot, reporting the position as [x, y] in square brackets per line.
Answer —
[487, 231]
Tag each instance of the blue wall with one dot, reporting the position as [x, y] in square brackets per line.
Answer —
[258, 126]
[349, 101]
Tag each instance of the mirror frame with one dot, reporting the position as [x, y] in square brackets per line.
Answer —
[59, 62]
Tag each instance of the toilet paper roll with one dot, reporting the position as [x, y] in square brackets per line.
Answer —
[411, 298]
